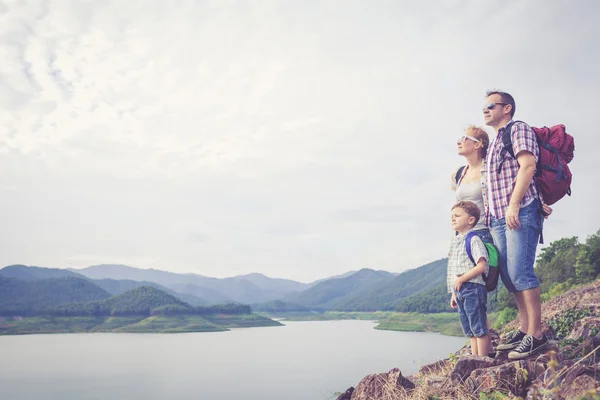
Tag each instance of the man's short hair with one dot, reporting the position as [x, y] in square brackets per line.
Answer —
[470, 208]
[506, 98]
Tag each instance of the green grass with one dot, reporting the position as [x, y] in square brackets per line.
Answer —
[172, 324]
[444, 323]
[241, 320]
[138, 324]
[335, 316]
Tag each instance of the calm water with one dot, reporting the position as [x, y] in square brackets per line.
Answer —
[300, 361]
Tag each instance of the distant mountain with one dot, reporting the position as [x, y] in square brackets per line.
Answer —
[331, 293]
[116, 287]
[274, 285]
[369, 290]
[344, 275]
[210, 295]
[409, 283]
[247, 289]
[27, 297]
[26, 273]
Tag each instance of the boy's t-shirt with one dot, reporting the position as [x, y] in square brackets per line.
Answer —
[459, 261]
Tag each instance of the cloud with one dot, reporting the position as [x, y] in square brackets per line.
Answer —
[297, 140]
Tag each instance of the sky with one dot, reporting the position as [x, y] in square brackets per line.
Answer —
[295, 139]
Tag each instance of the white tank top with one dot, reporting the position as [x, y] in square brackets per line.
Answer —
[472, 192]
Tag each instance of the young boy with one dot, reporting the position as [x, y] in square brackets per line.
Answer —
[464, 279]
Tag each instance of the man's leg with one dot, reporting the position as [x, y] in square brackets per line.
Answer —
[533, 305]
[499, 233]
[521, 245]
[523, 311]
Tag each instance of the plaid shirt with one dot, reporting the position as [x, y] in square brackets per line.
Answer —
[459, 262]
[500, 185]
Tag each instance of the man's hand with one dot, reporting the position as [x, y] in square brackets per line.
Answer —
[457, 284]
[453, 303]
[512, 217]
[547, 210]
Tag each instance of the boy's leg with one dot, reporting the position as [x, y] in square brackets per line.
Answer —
[474, 346]
[464, 320]
[482, 345]
[475, 299]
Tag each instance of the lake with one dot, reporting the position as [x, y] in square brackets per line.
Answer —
[299, 361]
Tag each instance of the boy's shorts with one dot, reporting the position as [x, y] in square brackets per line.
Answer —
[516, 248]
[472, 300]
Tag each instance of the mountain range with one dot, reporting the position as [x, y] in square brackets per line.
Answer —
[363, 290]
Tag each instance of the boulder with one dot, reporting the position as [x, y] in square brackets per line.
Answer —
[585, 327]
[468, 364]
[511, 377]
[347, 395]
[382, 386]
[435, 368]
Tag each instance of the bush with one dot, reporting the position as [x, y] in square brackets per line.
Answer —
[504, 317]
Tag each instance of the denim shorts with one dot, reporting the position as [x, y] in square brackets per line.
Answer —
[516, 248]
[471, 300]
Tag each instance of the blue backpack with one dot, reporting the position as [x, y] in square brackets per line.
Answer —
[491, 279]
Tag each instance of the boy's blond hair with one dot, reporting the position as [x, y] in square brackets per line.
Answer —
[470, 208]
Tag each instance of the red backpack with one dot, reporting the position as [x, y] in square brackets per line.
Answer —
[552, 176]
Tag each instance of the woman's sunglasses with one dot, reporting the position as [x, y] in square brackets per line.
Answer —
[464, 138]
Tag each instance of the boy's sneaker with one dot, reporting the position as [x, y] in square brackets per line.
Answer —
[513, 341]
[528, 346]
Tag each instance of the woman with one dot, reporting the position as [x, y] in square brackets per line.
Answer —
[469, 181]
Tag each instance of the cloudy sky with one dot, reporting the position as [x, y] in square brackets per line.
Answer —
[295, 139]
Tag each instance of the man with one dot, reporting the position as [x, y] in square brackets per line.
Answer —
[515, 219]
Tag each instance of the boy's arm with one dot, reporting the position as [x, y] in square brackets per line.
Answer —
[477, 270]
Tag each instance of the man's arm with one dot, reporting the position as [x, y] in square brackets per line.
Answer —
[527, 163]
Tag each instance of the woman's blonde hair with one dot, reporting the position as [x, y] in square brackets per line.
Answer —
[478, 133]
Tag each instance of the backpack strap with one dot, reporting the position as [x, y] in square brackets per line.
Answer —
[459, 174]
[507, 146]
[468, 245]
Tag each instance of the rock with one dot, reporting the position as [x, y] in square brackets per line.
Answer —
[436, 382]
[468, 364]
[435, 367]
[579, 387]
[586, 327]
[347, 395]
[382, 386]
[512, 377]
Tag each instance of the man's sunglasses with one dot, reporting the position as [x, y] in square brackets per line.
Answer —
[492, 105]
[464, 138]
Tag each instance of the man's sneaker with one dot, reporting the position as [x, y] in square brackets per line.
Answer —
[513, 341]
[529, 345]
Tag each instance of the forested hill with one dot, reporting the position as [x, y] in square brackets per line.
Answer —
[365, 290]
[139, 301]
[31, 297]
